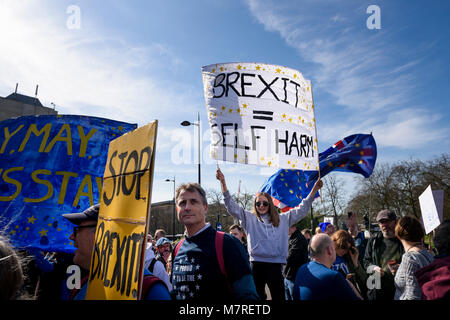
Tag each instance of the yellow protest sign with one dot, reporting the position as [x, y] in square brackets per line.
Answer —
[116, 266]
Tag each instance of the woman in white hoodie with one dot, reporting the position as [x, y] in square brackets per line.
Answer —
[268, 236]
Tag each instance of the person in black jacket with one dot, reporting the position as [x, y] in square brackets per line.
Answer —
[297, 256]
[382, 258]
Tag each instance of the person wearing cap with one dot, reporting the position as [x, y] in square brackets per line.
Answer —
[83, 237]
[160, 233]
[383, 256]
[164, 248]
[327, 227]
[155, 266]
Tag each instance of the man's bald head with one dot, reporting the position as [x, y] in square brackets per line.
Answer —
[321, 249]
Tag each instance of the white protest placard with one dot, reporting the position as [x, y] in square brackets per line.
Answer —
[261, 114]
[438, 196]
[430, 216]
[328, 219]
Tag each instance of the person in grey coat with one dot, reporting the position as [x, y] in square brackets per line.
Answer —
[268, 236]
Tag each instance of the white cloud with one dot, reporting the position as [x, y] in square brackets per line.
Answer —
[353, 66]
[84, 72]
[410, 132]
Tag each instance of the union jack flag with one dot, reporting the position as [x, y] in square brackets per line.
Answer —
[356, 153]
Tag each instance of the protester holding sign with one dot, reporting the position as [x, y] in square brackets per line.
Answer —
[83, 237]
[410, 232]
[268, 235]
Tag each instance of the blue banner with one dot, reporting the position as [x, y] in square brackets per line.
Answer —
[50, 165]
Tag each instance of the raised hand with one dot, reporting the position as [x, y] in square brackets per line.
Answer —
[221, 178]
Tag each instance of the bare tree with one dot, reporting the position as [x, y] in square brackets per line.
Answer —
[408, 185]
[245, 200]
[398, 186]
[333, 197]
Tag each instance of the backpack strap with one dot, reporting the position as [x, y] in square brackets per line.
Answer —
[152, 265]
[74, 292]
[149, 281]
[177, 247]
[219, 253]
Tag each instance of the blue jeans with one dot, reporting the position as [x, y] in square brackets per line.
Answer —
[289, 289]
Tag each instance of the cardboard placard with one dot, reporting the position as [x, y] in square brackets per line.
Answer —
[118, 256]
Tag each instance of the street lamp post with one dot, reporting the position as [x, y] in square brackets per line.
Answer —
[188, 123]
[173, 214]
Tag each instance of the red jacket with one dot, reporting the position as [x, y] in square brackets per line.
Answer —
[434, 279]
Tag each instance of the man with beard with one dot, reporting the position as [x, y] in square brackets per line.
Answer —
[383, 256]
[164, 248]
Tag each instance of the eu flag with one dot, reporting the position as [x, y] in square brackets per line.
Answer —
[356, 153]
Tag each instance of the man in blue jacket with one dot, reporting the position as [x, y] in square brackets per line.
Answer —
[316, 281]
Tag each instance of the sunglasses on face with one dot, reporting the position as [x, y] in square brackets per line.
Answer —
[264, 203]
[78, 228]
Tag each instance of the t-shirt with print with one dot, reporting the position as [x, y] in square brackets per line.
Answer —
[340, 265]
[196, 273]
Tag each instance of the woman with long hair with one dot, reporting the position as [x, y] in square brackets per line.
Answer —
[267, 236]
[347, 262]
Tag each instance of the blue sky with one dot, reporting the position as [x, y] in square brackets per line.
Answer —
[137, 61]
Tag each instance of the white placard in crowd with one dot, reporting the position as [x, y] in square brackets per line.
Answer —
[438, 196]
[328, 219]
[261, 114]
[430, 215]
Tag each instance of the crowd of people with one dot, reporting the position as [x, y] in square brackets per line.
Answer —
[264, 253]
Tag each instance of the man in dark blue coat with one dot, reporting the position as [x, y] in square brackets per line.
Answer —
[197, 263]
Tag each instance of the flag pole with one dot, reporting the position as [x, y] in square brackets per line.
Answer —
[317, 150]
[315, 128]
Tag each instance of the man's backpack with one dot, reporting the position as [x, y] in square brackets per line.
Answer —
[152, 265]
[148, 282]
[219, 254]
